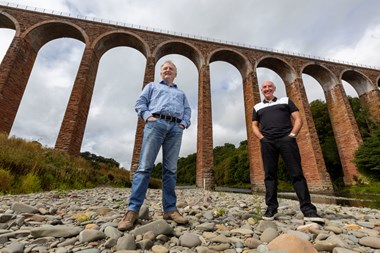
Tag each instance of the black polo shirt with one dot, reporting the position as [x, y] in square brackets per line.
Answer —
[274, 117]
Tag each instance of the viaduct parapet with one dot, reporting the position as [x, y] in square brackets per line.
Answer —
[34, 29]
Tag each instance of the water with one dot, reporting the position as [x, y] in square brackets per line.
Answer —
[354, 200]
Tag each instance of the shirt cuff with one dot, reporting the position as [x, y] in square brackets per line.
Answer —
[146, 115]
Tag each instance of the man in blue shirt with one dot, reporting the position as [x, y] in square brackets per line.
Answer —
[272, 124]
[167, 112]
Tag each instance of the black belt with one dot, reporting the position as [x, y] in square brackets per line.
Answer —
[166, 117]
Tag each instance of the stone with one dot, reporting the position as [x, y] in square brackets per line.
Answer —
[292, 244]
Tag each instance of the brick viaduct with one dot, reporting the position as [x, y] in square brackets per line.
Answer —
[33, 29]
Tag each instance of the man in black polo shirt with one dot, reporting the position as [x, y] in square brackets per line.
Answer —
[272, 124]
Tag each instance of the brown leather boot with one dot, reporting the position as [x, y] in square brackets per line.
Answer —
[128, 221]
[175, 216]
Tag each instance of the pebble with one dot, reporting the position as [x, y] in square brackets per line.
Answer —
[86, 221]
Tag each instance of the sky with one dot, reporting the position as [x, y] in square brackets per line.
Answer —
[343, 30]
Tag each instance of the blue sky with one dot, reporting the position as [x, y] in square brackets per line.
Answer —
[346, 30]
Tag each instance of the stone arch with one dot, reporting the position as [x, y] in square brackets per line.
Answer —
[249, 83]
[346, 132]
[367, 91]
[233, 57]
[322, 74]
[179, 47]
[120, 38]
[280, 66]
[41, 33]
[358, 80]
[7, 21]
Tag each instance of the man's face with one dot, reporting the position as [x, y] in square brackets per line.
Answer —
[268, 89]
[168, 73]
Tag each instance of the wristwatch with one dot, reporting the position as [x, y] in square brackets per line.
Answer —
[293, 135]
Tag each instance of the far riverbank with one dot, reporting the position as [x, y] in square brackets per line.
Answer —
[341, 199]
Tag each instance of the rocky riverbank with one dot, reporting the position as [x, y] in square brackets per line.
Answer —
[85, 221]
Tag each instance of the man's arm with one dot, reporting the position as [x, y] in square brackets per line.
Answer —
[186, 113]
[142, 103]
[256, 130]
[297, 123]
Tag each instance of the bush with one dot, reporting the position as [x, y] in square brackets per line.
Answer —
[30, 184]
[6, 180]
[33, 168]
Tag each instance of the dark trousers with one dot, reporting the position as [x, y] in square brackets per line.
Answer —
[287, 147]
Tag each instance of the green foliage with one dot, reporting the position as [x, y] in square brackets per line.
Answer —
[5, 181]
[187, 170]
[327, 141]
[219, 212]
[34, 168]
[362, 117]
[29, 183]
[231, 165]
[325, 133]
[367, 157]
[372, 188]
[95, 159]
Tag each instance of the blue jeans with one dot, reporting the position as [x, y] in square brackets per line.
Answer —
[156, 134]
[287, 147]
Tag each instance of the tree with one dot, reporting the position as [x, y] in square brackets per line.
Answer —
[362, 117]
[325, 133]
[95, 159]
[367, 157]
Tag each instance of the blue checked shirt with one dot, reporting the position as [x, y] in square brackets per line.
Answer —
[163, 99]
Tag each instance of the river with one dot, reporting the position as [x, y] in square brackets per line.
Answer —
[355, 200]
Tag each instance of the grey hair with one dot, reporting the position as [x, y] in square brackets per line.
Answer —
[171, 63]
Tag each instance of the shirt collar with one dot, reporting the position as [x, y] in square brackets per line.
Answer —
[164, 82]
[270, 101]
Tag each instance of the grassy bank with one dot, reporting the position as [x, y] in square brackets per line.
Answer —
[27, 167]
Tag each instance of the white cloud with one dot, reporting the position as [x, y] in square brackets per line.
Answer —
[364, 51]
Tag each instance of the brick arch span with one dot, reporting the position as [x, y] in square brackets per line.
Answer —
[345, 129]
[233, 57]
[280, 66]
[7, 21]
[358, 80]
[367, 91]
[322, 74]
[41, 33]
[24, 48]
[114, 39]
[205, 173]
[71, 133]
[36, 36]
[185, 49]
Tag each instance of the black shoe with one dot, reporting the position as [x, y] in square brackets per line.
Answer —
[314, 217]
[269, 214]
